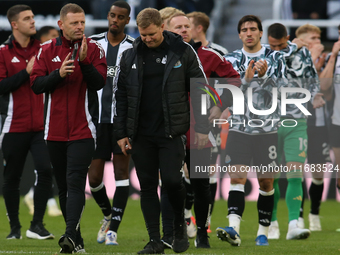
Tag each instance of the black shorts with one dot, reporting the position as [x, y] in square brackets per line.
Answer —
[255, 150]
[106, 142]
[334, 135]
[318, 145]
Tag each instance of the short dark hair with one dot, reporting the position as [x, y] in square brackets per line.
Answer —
[149, 16]
[249, 18]
[70, 8]
[13, 12]
[122, 4]
[277, 31]
[44, 31]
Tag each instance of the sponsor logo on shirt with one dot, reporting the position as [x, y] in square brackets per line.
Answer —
[15, 60]
[56, 59]
[111, 71]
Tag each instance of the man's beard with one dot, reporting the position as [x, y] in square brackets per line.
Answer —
[114, 32]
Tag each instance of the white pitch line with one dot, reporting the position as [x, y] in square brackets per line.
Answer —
[41, 252]
[23, 252]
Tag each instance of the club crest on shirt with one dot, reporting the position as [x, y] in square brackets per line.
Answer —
[164, 59]
[178, 64]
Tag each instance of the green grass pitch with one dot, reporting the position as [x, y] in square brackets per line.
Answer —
[132, 235]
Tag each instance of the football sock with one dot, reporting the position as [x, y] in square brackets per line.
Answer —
[236, 205]
[100, 196]
[304, 193]
[276, 199]
[119, 203]
[315, 193]
[294, 195]
[265, 204]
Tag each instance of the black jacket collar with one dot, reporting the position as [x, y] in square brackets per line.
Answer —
[11, 40]
[195, 45]
[174, 41]
[61, 39]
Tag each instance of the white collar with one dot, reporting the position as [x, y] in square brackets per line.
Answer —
[255, 54]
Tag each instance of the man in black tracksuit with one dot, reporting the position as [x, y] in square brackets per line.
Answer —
[153, 112]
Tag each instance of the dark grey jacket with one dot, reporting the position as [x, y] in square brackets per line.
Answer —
[182, 64]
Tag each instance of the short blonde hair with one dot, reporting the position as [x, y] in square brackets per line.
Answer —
[167, 12]
[307, 28]
[176, 14]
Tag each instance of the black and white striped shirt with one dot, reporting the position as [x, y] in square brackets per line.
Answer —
[106, 96]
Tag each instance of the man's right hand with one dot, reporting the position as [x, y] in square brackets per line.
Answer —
[67, 66]
[336, 48]
[250, 71]
[124, 145]
[30, 64]
[316, 51]
[299, 43]
[321, 61]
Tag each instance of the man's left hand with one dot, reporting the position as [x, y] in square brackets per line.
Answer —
[215, 113]
[261, 67]
[83, 49]
[201, 140]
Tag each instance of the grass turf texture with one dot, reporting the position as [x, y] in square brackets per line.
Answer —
[132, 235]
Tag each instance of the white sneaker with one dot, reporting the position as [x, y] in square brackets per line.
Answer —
[103, 229]
[111, 238]
[274, 231]
[229, 235]
[54, 211]
[301, 223]
[191, 228]
[314, 222]
[297, 233]
[29, 202]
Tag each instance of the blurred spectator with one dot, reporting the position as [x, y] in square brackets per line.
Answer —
[189, 5]
[142, 4]
[286, 9]
[47, 33]
[310, 9]
[99, 8]
[99, 11]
